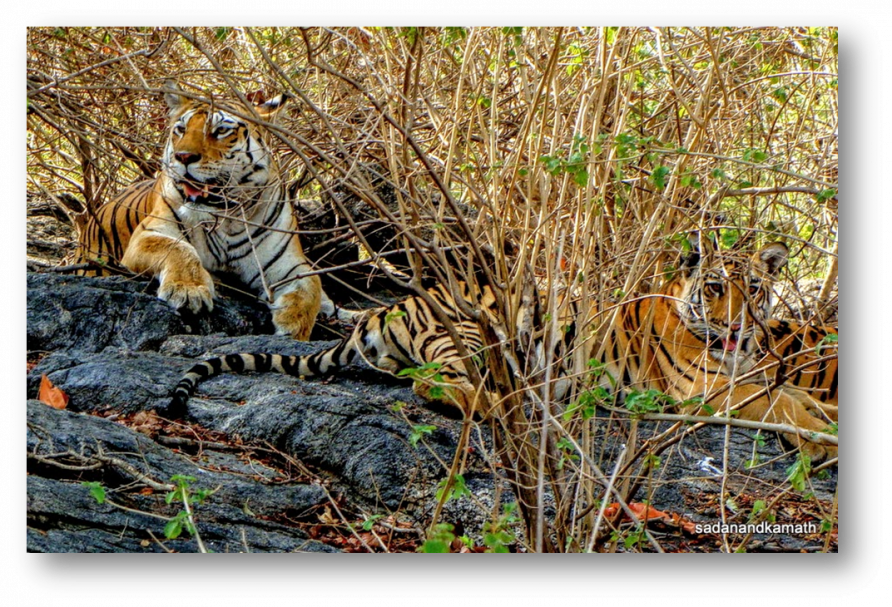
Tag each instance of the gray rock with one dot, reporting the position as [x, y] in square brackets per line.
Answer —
[90, 314]
[64, 517]
[123, 356]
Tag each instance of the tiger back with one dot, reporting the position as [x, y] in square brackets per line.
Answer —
[810, 356]
[104, 238]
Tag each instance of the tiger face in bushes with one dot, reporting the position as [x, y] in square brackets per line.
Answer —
[711, 324]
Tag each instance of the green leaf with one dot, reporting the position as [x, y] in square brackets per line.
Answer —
[425, 371]
[370, 522]
[177, 524]
[451, 35]
[456, 491]
[97, 491]
[690, 181]
[418, 432]
[439, 539]
[653, 461]
[729, 238]
[391, 316]
[173, 529]
[496, 542]
[552, 164]
[825, 195]
[199, 495]
[798, 472]
[829, 340]
[409, 33]
[658, 177]
[756, 156]
[565, 444]
[648, 401]
[780, 94]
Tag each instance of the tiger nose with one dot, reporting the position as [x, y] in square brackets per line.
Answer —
[735, 327]
[187, 158]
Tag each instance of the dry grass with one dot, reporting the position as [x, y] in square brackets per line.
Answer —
[583, 154]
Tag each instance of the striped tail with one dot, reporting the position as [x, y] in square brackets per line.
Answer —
[311, 365]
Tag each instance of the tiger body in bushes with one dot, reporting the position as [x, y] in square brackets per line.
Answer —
[711, 324]
[704, 328]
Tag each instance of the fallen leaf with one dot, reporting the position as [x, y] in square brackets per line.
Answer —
[646, 513]
[51, 395]
[326, 517]
[146, 422]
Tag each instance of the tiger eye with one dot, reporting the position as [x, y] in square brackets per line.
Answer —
[714, 288]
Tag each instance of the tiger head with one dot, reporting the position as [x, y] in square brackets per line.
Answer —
[214, 156]
[721, 297]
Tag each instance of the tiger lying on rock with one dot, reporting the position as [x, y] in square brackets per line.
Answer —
[219, 204]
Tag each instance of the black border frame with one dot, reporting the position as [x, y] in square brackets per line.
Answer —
[858, 498]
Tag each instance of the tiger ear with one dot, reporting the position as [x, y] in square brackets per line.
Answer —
[701, 245]
[771, 258]
[172, 95]
[689, 261]
[270, 109]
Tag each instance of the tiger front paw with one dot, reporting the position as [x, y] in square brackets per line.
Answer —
[815, 452]
[192, 289]
[294, 313]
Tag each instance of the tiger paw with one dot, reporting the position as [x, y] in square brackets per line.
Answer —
[294, 313]
[819, 453]
[816, 452]
[192, 290]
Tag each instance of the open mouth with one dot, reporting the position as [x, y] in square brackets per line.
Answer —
[200, 193]
[730, 342]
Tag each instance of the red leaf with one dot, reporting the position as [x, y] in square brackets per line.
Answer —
[51, 395]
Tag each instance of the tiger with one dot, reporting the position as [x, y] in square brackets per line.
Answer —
[219, 204]
[810, 353]
[699, 321]
[704, 328]
[392, 339]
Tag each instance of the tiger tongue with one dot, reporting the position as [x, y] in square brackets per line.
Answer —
[729, 345]
[191, 191]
